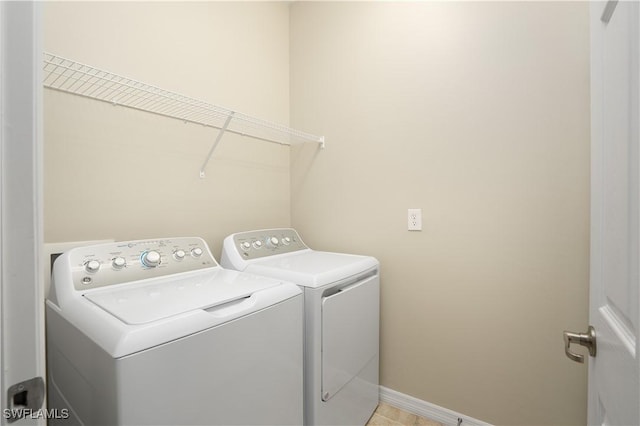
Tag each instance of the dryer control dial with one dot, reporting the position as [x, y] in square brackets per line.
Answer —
[150, 258]
[272, 242]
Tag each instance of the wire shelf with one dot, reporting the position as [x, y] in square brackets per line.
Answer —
[69, 76]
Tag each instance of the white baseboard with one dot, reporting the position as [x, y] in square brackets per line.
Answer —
[426, 409]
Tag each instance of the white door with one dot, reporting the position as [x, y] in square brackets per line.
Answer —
[614, 373]
[21, 290]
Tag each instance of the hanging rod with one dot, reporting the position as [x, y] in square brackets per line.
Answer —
[66, 75]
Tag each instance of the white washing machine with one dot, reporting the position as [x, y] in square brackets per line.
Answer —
[341, 302]
[155, 332]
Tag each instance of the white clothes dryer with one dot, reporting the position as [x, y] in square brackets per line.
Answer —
[155, 332]
[341, 302]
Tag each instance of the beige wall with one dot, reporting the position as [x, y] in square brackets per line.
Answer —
[475, 112]
[478, 113]
[117, 173]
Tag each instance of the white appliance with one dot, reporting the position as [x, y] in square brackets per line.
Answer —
[155, 332]
[341, 302]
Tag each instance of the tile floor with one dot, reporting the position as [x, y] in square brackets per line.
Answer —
[388, 415]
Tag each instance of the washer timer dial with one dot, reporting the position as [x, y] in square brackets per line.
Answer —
[150, 258]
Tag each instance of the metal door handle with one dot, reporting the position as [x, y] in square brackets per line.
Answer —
[588, 340]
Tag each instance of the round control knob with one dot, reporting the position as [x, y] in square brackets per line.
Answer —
[257, 244]
[246, 245]
[286, 241]
[92, 266]
[272, 242]
[196, 252]
[179, 254]
[150, 258]
[118, 262]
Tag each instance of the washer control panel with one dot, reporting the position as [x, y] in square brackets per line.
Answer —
[267, 242]
[116, 263]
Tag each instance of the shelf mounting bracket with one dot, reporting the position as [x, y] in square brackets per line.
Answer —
[215, 144]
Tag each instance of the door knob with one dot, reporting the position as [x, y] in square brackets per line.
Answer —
[588, 340]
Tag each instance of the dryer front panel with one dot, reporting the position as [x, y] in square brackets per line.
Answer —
[350, 333]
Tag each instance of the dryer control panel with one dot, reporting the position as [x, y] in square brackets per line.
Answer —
[115, 263]
[267, 242]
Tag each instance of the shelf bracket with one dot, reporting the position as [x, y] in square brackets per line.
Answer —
[215, 144]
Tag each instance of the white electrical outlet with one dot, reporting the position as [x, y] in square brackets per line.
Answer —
[414, 220]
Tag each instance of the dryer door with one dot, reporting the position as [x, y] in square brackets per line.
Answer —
[350, 333]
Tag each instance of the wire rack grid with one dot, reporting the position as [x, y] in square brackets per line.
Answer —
[69, 76]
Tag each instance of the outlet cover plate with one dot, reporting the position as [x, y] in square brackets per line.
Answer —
[414, 219]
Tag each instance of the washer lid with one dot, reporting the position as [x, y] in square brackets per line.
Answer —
[312, 268]
[156, 299]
